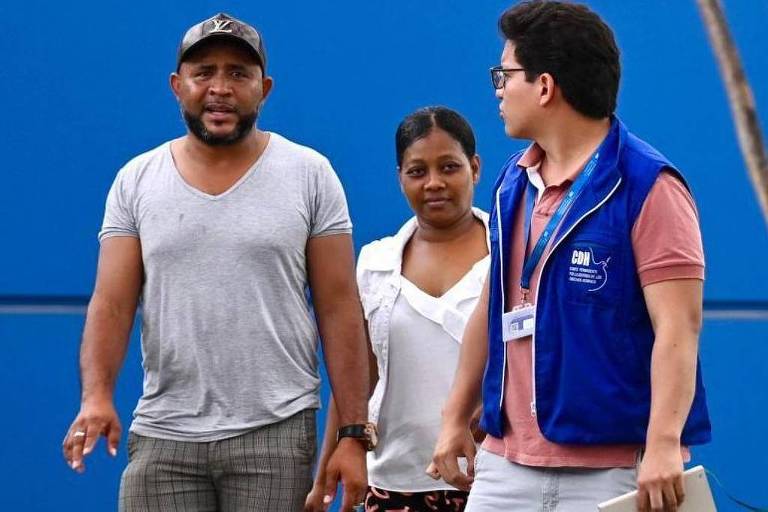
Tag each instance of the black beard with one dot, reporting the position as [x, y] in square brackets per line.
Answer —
[196, 126]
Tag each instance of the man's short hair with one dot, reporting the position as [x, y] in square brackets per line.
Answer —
[571, 43]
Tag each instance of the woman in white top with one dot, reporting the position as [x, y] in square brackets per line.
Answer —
[418, 289]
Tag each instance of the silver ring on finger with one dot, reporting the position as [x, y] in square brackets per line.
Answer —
[79, 433]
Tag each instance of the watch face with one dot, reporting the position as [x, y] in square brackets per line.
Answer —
[372, 435]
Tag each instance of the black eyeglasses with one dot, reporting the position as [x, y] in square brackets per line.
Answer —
[499, 75]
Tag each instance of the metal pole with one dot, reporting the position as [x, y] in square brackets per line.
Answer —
[740, 98]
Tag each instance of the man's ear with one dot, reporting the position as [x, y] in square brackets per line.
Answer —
[547, 87]
[266, 87]
[175, 82]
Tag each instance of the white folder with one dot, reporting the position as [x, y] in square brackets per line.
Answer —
[698, 496]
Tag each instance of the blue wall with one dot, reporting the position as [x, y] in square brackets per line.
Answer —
[85, 88]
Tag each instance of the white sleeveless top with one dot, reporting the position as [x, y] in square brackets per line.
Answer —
[422, 363]
[416, 339]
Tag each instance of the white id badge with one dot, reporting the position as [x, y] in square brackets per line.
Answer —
[519, 322]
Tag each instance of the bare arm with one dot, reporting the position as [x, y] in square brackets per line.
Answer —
[465, 394]
[108, 325]
[340, 321]
[675, 308]
[314, 500]
[455, 438]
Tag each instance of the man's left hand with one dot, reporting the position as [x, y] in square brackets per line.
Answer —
[346, 465]
[660, 479]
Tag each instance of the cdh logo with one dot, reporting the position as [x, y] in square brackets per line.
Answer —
[582, 271]
[582, 258]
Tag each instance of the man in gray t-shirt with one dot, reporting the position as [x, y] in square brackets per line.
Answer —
[219, 234]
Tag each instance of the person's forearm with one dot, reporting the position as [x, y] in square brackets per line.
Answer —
[105, 340]
[673, 382]
[329, 441]
[332, 420]
[465, 394]
[341, 330]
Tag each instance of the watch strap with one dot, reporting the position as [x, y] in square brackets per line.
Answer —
[363, 432]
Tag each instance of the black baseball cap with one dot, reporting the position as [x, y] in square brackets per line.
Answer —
[223, 25]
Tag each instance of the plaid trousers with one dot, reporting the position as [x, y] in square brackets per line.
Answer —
[268, 469]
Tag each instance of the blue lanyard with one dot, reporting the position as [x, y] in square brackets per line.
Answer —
[554, 223]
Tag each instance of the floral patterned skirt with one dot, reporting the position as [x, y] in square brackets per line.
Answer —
[380, 500]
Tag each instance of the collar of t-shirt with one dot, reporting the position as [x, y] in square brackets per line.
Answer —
[531, 161]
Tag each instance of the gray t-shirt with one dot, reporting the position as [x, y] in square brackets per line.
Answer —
[228, 339]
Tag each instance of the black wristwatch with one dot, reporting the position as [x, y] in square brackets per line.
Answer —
[366, 433]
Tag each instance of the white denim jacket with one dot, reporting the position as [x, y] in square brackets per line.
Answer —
[379, 268]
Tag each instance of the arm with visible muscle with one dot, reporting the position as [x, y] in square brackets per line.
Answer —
[456, 438]
[314, 501]
[108, 324]
[340, 321]
[675, 308]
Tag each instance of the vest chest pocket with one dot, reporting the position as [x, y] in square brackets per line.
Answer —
[590, 272]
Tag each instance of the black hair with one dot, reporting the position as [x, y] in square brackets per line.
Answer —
[575, 46]
[418, 124]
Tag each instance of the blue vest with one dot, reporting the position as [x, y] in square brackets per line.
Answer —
[593, 338]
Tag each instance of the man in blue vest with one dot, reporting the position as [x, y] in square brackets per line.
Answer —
[586, 335]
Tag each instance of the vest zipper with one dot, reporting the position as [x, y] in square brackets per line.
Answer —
[538, 287]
